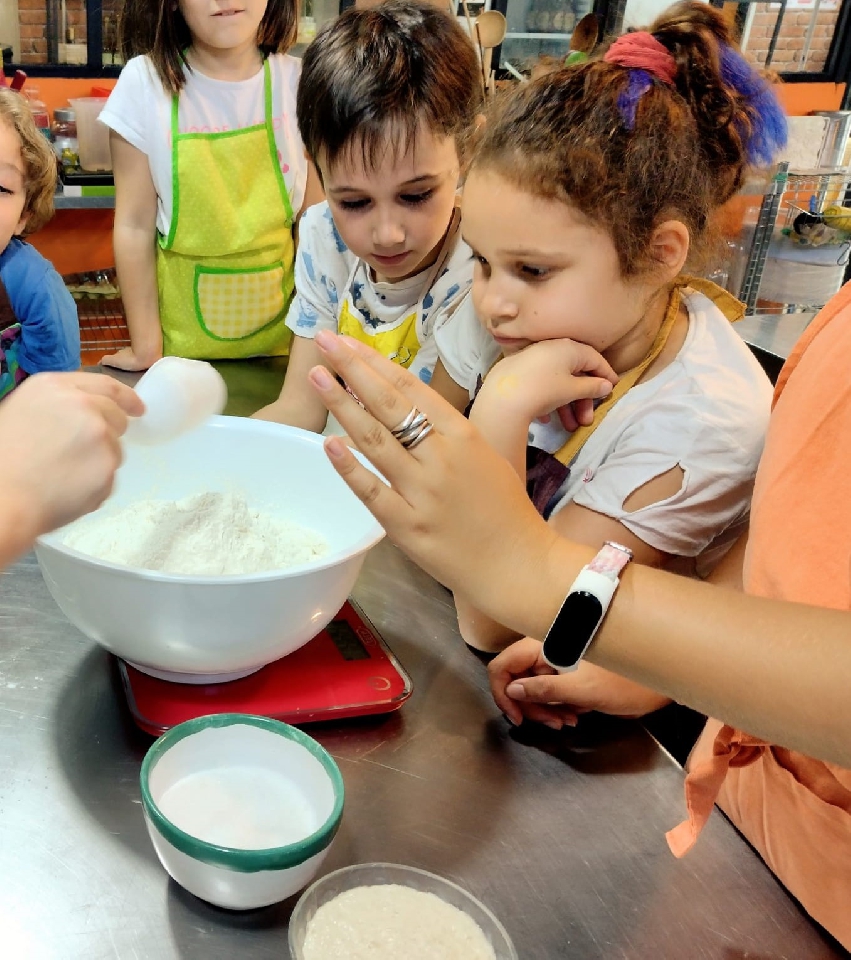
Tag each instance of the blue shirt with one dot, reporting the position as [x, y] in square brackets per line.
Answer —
[50, 330]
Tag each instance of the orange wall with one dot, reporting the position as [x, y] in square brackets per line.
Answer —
[56, 91]
[81, 240]
[799, 99]
[75, 241]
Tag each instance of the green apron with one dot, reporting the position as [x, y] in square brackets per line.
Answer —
[225, 270]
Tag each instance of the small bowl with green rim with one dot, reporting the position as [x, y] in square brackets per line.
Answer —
[241, 810]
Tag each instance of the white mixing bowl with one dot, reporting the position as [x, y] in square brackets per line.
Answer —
[201, 629]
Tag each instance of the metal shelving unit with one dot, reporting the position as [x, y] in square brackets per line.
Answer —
[796, 258]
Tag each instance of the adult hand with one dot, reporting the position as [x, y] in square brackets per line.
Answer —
[545, 378]
[453, 503]
[64, 430]
[523, 684]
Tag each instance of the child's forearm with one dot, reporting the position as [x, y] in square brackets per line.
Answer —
[507, 434]
[298, 405]
[479, 631]
[505, 429]
[136, 265]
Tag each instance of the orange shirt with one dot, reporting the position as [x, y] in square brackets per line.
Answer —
[796, 811]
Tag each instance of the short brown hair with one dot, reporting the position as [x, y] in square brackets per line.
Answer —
[39, 160]
[157, 28]
[379, 73]
[564, 137]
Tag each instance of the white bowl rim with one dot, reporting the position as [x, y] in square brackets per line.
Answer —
[333, 558]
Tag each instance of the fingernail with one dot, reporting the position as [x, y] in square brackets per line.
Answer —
[325, 340]
[335, 448]
[511, 720]
[320, 378]
[604, 389]
[553, 724]
[572, 721]
[515, 690]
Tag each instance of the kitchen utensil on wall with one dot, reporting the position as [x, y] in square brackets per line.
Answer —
[471, 26]
[491, 26]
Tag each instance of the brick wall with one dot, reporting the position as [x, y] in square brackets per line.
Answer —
[789, 50]
[32, 15]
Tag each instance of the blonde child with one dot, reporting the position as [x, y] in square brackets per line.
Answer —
[39, 330]
[209, 174]
[386, 99]
[607, 175]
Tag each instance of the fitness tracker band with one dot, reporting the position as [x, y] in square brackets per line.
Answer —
[584, 608]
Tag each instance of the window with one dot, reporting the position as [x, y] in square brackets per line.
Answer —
[800, 39]
[60, 37]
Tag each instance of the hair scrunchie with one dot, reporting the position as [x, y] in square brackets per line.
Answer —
[642, 51]
[647, 60]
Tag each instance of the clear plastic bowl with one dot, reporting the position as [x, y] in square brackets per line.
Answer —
[375, 874]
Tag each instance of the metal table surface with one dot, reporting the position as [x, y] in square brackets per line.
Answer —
[561, 834]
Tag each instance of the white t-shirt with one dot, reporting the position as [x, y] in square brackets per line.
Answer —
[706, 412]
[324, 266]
[139, 109]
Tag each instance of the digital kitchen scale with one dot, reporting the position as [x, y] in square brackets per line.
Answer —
[345, 671]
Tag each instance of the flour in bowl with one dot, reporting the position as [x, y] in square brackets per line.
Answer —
[209, 534]
[389, 922]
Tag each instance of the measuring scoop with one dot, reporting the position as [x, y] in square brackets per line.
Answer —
[179, 395]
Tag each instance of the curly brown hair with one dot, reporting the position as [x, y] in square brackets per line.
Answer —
[39, 160]
[159, 30]
[373, 75]
[564, 137]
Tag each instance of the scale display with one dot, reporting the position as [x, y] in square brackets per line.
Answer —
[347, 670]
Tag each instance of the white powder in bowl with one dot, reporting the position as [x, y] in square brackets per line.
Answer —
[209, 534]
[391, 922]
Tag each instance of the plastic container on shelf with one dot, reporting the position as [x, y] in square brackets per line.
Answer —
[65, 143]
[93, 136]
[39, 110]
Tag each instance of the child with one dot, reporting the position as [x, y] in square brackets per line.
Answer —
[607, 176]
[386, 99]
[39, 330]
[208, 162]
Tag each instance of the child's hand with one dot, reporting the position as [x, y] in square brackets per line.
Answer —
[64, 430]
[523, 662]
[524, 685]
[549, 376]
[127, 359]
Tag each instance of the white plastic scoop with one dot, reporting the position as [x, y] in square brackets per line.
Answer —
[179, 395]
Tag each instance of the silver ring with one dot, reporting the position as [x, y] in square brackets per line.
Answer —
[413, 429]
[403, 424]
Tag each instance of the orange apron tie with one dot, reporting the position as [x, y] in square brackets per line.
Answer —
[732, 748]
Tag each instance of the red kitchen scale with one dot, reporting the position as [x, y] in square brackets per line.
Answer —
[347, 670]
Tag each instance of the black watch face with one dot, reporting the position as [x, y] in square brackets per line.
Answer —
[573, 629]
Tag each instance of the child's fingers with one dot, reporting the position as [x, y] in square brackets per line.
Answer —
[105, 386]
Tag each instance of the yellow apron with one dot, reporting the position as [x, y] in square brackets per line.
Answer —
[401, 342]
[225, 270]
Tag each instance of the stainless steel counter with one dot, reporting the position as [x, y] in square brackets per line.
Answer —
[561, 834]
